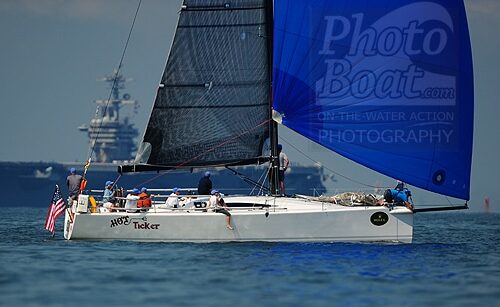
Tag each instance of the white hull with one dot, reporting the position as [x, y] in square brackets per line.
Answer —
[289, 220]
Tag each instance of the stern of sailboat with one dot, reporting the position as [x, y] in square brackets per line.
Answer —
[68, 223]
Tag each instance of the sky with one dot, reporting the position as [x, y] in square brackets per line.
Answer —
[54, 51]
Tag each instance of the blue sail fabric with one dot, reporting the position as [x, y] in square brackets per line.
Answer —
[388, 84]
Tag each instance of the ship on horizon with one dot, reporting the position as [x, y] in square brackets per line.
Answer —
[113, 138]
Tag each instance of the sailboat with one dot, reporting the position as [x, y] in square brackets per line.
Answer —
[388, 85]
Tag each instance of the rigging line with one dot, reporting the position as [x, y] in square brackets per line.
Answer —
[336, 173]
[265, 174]
[255, 186]
[92, 150]
[205, 152]
[116, 181]
[449, 202]
[247, 179]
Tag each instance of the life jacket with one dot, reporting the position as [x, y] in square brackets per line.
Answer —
[83, 184]
[144, 200]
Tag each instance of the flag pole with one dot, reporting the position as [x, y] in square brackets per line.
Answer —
[56, 208]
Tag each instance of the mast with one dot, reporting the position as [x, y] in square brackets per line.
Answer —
[273, 126]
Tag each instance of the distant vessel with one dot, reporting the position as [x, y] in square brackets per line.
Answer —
[115, 143]
[112, 138]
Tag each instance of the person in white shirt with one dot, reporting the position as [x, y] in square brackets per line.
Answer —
[217, 203]
[173, 199]
[131, 200]
[284, 162]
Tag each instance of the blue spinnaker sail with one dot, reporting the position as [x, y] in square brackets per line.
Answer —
[387, 84]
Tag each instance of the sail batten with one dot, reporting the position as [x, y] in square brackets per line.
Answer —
[219, 7]
[234, 84]
[223, 26]
[386, 84]
[214, 107]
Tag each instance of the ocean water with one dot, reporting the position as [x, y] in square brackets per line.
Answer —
[454, 261]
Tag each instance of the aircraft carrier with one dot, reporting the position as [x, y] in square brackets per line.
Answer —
[31, 184]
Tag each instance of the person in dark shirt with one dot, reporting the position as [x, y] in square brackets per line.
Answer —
[73, 182]
[205, 185]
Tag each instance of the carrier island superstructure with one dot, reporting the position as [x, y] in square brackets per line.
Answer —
[113, 138]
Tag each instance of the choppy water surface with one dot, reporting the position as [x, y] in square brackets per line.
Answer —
[454, 260]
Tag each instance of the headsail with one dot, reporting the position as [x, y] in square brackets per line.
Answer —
[212, 106]
[387, 84]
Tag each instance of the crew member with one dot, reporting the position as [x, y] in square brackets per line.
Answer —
[284, 162]
[173, 198]
[217, 203]
[144, 199]
[73, 182]
[108, 198]
[205, 184]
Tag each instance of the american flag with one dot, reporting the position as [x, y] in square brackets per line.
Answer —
[56, 208]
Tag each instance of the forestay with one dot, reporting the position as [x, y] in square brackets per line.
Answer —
[387, 84]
